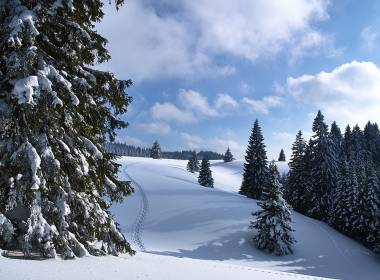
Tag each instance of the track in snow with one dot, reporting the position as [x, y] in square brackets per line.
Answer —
[138, 225]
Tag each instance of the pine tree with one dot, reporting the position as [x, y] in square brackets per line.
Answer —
[56, 180]
[255, 167]
[228, 157]
[371, 207]
[205, 174]
[193, 164]
[281, 157]
[346, 184]
[155, 151]
[274, 232]
[296, 184]
[324, 169]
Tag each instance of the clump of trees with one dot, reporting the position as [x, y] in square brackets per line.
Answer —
[335, 178]
[193, 163]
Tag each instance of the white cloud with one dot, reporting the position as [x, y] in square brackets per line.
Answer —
[169, 112]
[214, 144]
[155, 127]
[348, 94]
[369, 37]
[245, 87]
[278, 88]
[193, 100]
[225, 101]
[264, 105]
[152, 39]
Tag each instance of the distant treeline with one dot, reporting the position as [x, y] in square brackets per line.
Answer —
[121, 149]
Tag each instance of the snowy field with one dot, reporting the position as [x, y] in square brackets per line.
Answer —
[184, 231]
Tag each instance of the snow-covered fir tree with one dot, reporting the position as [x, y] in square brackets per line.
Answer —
[295, 187]
[228, 157]
[255, 166]
[56, 181]
[155, 151]
[282, 157]
[324, 169]
[205, 174]
[372, 143]
[273, 221]
[193, 163]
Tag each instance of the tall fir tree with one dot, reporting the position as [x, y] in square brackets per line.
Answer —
[193, 164]
[255, 167]
[281, 156]
[296, 183]
[336, 150]
[273, 222]
[155, 151]
[228, 157]
[324, 169]
[56, 181]
[205, 174]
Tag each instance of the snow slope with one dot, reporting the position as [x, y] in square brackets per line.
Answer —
[184, 231]
[189, 221]
[141, 266]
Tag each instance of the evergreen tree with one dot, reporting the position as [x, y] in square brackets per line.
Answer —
[255, 167]
[193, 164]
[324, 169]
[296, 184]
[228, 157]
[155, 151]
[274, 232]
[371, 208]
[56, 180]
[281, 157]
[205, 175]
[347, 183]
[372, 143]
[336, 150]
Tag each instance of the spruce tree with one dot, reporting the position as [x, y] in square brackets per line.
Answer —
[296, 184]
[273, 222]
[255, 167]
[205, 174]
[193, 164]
[56, 180]
[281, 157]
[228, 157]
[324, 169]
[155, 151]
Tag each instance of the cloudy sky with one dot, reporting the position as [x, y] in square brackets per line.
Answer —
[204, 70]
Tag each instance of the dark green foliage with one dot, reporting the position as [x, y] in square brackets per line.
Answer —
[155, 151]
[336, 179]
[255, 166]
[324, 169]
[228, 157]
[274, 232]
[298, 177]
[205, 175]
[56, 112]
[281, 157]
[193, 164]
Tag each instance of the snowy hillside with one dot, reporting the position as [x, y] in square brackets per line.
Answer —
[190, 232]
[177, 217]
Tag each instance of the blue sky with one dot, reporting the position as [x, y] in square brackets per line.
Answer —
[204, 70]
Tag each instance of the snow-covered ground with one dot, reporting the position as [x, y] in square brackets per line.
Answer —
[189, 221]
[191, 232]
